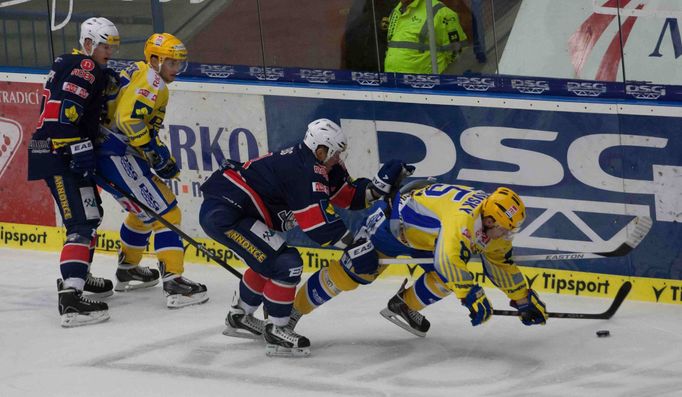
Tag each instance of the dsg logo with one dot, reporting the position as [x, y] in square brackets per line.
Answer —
[217, 71]
[580, 88]
[475, 83]
[421, 81]
[530, 86]
[369, 78]
[268, 73]
[317, 75]
[10, 138]
[645, 91]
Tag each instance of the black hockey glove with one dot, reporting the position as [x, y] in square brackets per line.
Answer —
[360, 257]
[82, 158]
[390, 175]
[531, 309]
[160, 159]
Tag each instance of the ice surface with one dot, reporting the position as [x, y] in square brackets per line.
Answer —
[149, 350]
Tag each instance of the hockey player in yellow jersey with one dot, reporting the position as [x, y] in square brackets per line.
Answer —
[131, 148]
[450, 223]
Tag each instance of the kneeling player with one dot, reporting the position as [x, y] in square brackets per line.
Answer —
[448, 223]
[245, 205]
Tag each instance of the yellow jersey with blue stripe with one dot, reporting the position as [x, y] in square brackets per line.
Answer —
[140, 106]
[445, 219]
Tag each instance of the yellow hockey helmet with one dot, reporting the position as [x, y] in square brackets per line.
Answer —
[164, 46]
[506, 207]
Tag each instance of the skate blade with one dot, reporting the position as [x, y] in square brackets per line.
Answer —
[98, 295]
[178, 301]
[240, 333]
[127, 286]
[281, 351]
[71, 320]
[397, 320]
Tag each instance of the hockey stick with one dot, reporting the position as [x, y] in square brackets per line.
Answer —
[617, 301]
[172, 227]
[638, 228]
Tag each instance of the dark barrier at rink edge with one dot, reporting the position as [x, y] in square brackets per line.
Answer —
[492, 84]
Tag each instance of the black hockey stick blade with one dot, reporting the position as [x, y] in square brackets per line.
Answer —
[617, 301]
[172, 227]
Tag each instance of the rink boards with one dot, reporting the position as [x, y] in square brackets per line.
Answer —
[584, 168]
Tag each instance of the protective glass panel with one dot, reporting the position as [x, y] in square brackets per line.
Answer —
[305, 33]
[133, 21]
[24, 34]
[216, 31]
[560, 39]
[652, 43]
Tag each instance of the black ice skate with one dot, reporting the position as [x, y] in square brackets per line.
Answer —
[242, 325]
[98, 287]
[130, 277]
[401, 315]
[181, 291]
[76, 310]
[284, 342]
[293, 318]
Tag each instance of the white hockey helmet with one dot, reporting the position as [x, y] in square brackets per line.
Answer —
[327, 133]
[100, 31]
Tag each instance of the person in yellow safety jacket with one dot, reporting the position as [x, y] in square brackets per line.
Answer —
[408, 37]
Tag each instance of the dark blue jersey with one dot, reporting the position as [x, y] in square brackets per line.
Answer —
[72, 103]
[289, 188]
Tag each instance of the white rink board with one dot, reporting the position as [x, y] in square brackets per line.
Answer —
[206, 116]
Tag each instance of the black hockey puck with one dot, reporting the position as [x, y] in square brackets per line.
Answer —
[603, 333]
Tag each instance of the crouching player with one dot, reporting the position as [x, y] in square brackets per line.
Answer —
[449, 223]
[130, 150]
[245, 205]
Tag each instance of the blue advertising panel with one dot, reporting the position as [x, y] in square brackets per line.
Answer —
[584, 175]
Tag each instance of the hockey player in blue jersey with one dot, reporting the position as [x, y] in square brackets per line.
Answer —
[449, 223]
[61, 153]
[245, 205]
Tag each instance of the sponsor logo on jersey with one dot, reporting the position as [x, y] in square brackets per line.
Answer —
[217, 71]
[87, 64]
[317, 75]
[475, 83]
[320, 188]
[61, 197]
[146, 93]
[580, 88]
[530, 86]
[85, 75]
[71, 112]
[247, 245]
[75, 89]
[420, 80]
[649, 92]
[268, 73]
[369, 78]
[157, 81]
[321, 170]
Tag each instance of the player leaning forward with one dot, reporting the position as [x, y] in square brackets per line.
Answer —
[61, 153]
[245, 205]
[449, 223]
[130, 150]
